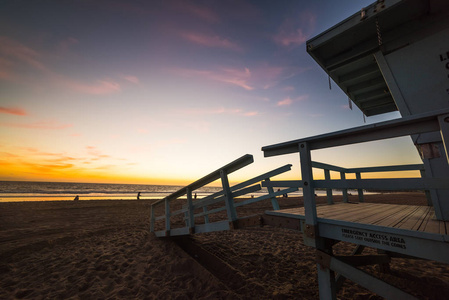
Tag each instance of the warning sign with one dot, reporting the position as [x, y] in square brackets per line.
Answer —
[374, 238]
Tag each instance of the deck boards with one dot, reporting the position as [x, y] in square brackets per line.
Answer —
[410, 217]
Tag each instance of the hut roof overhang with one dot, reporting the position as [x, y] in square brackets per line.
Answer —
[346, 51]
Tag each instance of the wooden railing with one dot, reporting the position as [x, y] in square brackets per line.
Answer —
[437, 121]
[187, 216]
[358, 173]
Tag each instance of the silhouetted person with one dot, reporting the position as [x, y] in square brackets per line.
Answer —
[76, 198]
[138, 196]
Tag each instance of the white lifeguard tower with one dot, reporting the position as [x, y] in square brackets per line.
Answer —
[394, 55]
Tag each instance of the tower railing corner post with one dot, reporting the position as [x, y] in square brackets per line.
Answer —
[443, 120]
[327, 176]
[360, 191]
[345, 190]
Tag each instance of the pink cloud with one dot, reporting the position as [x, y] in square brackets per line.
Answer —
[294, 32]
[236, 77]
[296, 38]
[13, 111]
[38, 125]
[198, 11]
[220, 111]
[132, 79]
[18, 52]
[262, 76]
[211, 41]
[101, 87]
[288, 101]
[13, 52]
[251, 114]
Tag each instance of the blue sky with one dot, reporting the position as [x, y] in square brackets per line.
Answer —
[168, 91]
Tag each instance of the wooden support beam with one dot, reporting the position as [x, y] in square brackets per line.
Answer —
[366, 280]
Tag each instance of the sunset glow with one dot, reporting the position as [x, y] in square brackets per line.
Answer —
[166, 92]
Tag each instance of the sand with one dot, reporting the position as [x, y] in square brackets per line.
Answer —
[104, 250]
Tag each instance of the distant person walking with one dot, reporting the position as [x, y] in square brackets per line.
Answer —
[138, 196]
[76, 198]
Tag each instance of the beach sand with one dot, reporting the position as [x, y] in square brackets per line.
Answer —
[104, 250]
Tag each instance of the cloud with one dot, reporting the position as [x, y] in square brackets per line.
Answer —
[198, 11]
[101, 87]
[288, 101]
[97, 154]
[17, 52]
[294, 32]
[15, 55]
[211, 41]
[37, 125]
[220, 111]
[251, 114]
[13, 111]
[131, 78]
[238, 77]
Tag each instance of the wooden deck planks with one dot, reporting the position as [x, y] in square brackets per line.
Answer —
[393, 219]
[387, 214]
[414, 220]
[410, 217]
[431, 224]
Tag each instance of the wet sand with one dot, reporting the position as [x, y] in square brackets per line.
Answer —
[104, 250]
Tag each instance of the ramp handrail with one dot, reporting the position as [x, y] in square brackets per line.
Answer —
[226, 195]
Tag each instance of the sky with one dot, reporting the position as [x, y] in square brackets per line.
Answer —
[165, 92]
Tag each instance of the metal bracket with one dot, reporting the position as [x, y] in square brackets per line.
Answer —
[310, 231]
[323, 259]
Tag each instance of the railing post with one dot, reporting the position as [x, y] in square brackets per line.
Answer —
[152, 219]
[326, 278]
[206, 217]
[345, 191]
[428, 196]
[167, 217]
[443, 120]
[358, 176]
[327, 176]
[308, 190]
[229, 200]
[190, 212]
[274, 201]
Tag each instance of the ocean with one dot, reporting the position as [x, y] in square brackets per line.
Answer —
[16, 191]
[13, 191]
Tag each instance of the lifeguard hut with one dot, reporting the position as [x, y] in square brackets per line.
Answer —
[392, 55]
